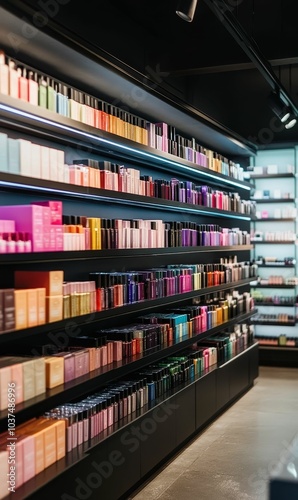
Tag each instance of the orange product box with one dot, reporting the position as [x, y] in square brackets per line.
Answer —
[21, 309]
[29, 428]
[41, 305]
[49, 432]
[50, 280]
[54, 371]
[15, 377]
[54, 308]
[4, 471]
[32, 315]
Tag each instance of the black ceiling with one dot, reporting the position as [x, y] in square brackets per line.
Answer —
[199, 61]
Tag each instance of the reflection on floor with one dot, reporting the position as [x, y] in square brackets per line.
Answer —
[233, 457]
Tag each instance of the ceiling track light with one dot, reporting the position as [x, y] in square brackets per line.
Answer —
[186, 9]
[292, 120]
[279, 107]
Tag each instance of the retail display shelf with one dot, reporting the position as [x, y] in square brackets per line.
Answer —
[96, 317]
[273, 176]
[277, 347]
[273, 200]
[273, 219]
[128, 253]
[274, 323]
[79, 455]
[197, 401]
[278, 266]
[91, 381]
[272, 304]
[261, 242]
[18, 183]
[47, 124]
[273, 286]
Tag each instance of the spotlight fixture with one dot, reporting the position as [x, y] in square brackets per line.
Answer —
[292, 120]
[186, 9]
[279, 107]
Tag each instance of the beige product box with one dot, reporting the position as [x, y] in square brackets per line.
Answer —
[60, 428]
[21, 315]
[49, 430]
[28, 454]
[40, 375]
[25, 157]
[5, 380]
[54, 371]
[32, 315]
[50, 280]
[258, 170]
[16, 376]
[272, 169]
[36, 161]
[54, 308]
[30, 429]
[45, 163]
[29, 379]
[41, 305]
[4, 470]
[60, 165]
[53, 164]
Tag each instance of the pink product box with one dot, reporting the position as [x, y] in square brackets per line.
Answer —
[55, 209]
[69, 365]
[29, 219]
[66, 289]
[53, 238]
[75, 174]
[7, 226]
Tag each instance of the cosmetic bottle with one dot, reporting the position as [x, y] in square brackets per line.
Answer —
[13, 79]
[4, 74]
[10, 242]
[74, 104]
[2, 244]
[62, 100]
[19, 243]
[42, 93]
[90, 110]
[32, 88]
[23, 84]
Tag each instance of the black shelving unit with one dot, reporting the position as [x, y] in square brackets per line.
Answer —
[206, 388]
[273, 323]
[272, 304]
[274, 286]
[273, 200]
[20, 115]
[272, 176]
[260, 242]
[286, 270]
[190, 406]
[279, 356]
[90, 382]
[278, 266]
[89, 255]
[96, 318]
[273, 219]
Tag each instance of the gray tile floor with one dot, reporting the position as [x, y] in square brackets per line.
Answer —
[232, 459]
